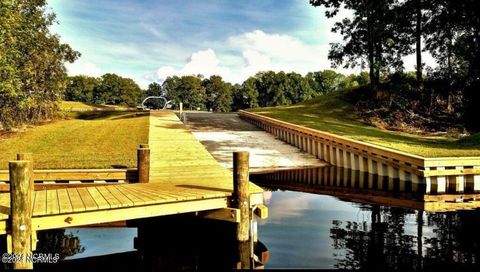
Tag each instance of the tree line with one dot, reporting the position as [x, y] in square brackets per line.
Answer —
[110, 89]
[264, 89]
[380, 33]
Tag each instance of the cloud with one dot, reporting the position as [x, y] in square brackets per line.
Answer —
[203, 62]
[252, 52]
[82, 67]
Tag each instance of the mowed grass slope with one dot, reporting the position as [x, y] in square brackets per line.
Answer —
[88, 140]
[332, 113]
[76, 105]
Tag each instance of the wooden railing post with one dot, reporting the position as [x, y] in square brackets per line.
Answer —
[181, 112]
[241, 201]
[21, 212]
[143, 163]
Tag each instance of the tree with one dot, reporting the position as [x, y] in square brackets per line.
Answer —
[218, 94]
[185, 89]
[331, 81]
[418, 42]
[271, 89]
[313, 79]
[298, 89]
[245, 96]
[371, 37]
[117, 90]
[154, 89]
[81, 88]
[32, 72]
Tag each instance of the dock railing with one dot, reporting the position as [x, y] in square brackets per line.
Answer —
[438, 175]
[54, 178]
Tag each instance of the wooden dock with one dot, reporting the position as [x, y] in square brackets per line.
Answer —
[182, 177]
[433, 175]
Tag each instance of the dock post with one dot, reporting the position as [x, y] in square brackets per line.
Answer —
[241, 201]
[21, 212]
[28, 157]
[143, 163]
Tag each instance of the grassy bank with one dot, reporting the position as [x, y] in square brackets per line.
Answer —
[87, 140]
[332, 113]
[76, 105]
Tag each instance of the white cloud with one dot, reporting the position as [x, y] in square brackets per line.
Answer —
[278, 52]
[257, 51]
[203, 62]
[82, 67]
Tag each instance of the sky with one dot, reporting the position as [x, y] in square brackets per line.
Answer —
[149, 40]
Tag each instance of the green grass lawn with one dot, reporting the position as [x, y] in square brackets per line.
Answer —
[331, 113]
[87, 140]
[68, 105]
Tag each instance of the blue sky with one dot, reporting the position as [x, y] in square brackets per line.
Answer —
[150, 40]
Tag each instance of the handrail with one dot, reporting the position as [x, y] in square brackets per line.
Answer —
[79, 174]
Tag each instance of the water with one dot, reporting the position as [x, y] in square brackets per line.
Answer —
[336, 228]
[103, 241]
[339, 229]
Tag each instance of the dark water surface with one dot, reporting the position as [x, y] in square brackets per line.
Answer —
[307, 230]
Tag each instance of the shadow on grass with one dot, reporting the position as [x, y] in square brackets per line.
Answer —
[119, 166]
[103, 115]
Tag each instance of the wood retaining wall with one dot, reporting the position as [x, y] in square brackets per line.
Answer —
[435, 175]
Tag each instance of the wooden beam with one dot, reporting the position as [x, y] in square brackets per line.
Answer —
[79, 174]
[225, 214]
[114, 215]
[452, 172]
[261, 211]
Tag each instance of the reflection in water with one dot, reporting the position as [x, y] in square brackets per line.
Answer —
[306, 230]
[383, 243]
[56, 241]
[176, 242]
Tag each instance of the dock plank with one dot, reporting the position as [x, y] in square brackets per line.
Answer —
[139, 191]
[124, 200]
[137, 199]
[76, 200]
[112, 201]
[52, 202]
[40, 206]
[87, 199]
[98, 197]
[65, 205]
[147, 198]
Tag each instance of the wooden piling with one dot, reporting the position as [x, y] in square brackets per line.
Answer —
[21, 211]
[241, 201]
[143, 163]
[28, 157]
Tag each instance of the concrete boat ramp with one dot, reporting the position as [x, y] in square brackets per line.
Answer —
[224, 133]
